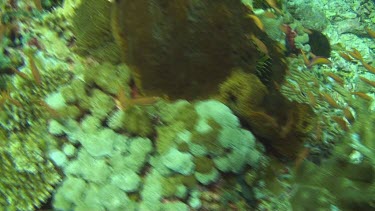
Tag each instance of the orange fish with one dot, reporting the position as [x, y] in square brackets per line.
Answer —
[124, 102]
[370, 32]
[257, 21]
[368, 67]
[346, 56]
[362, 95]
[305, 59]
[372, 83]
[312, 98]
[259, 44]
[19, 73]
[268, 14]
[52, 112]
[318, 60]
[348, 115]
[6, 97]
[301, 156]
[356, 54]
[2, 30]
[341, 122]
[329, 99]
[34, 69]
[308, 31]
[335, 77]
[38, 5]
[273, 4]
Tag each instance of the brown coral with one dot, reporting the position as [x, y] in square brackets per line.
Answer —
[279, 123]
[185, 49]
[243, 91]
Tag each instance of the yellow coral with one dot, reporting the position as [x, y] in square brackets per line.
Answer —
[27, 178]
[242, 91]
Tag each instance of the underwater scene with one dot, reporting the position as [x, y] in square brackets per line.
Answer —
[184, 105]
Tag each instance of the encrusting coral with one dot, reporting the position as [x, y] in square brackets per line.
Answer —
[28, 176]
[243, 92]
[279, 123]
[170, 164]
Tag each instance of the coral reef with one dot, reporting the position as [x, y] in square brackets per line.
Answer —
[187, 105]
[28, 177]
[185, 49]
[50, 4]
[184, 159]
[261, 109]
[309, 14]
[344, 180]
[91, 26]
[342, 95]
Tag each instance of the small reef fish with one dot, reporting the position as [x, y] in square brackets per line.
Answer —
[346, 56]
[301, 156]
[52, 112]
[329, 99]
[273, 4]
[335, 77]
[5, 96]
[363, 96]
[319, 60]
[305, 59]
[341, 122]
[370, 32]
[257, 21]
[348, 115]
[269, 14]
[368, 67]
[19, 73]
[2, 30]
[356, 54]
[38, 5]
[315, 60]
[124, 102]
[259, 44]
[312, 98]
[34, 70]
[372, 83]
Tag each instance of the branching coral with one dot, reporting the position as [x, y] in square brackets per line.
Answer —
[28, 177]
